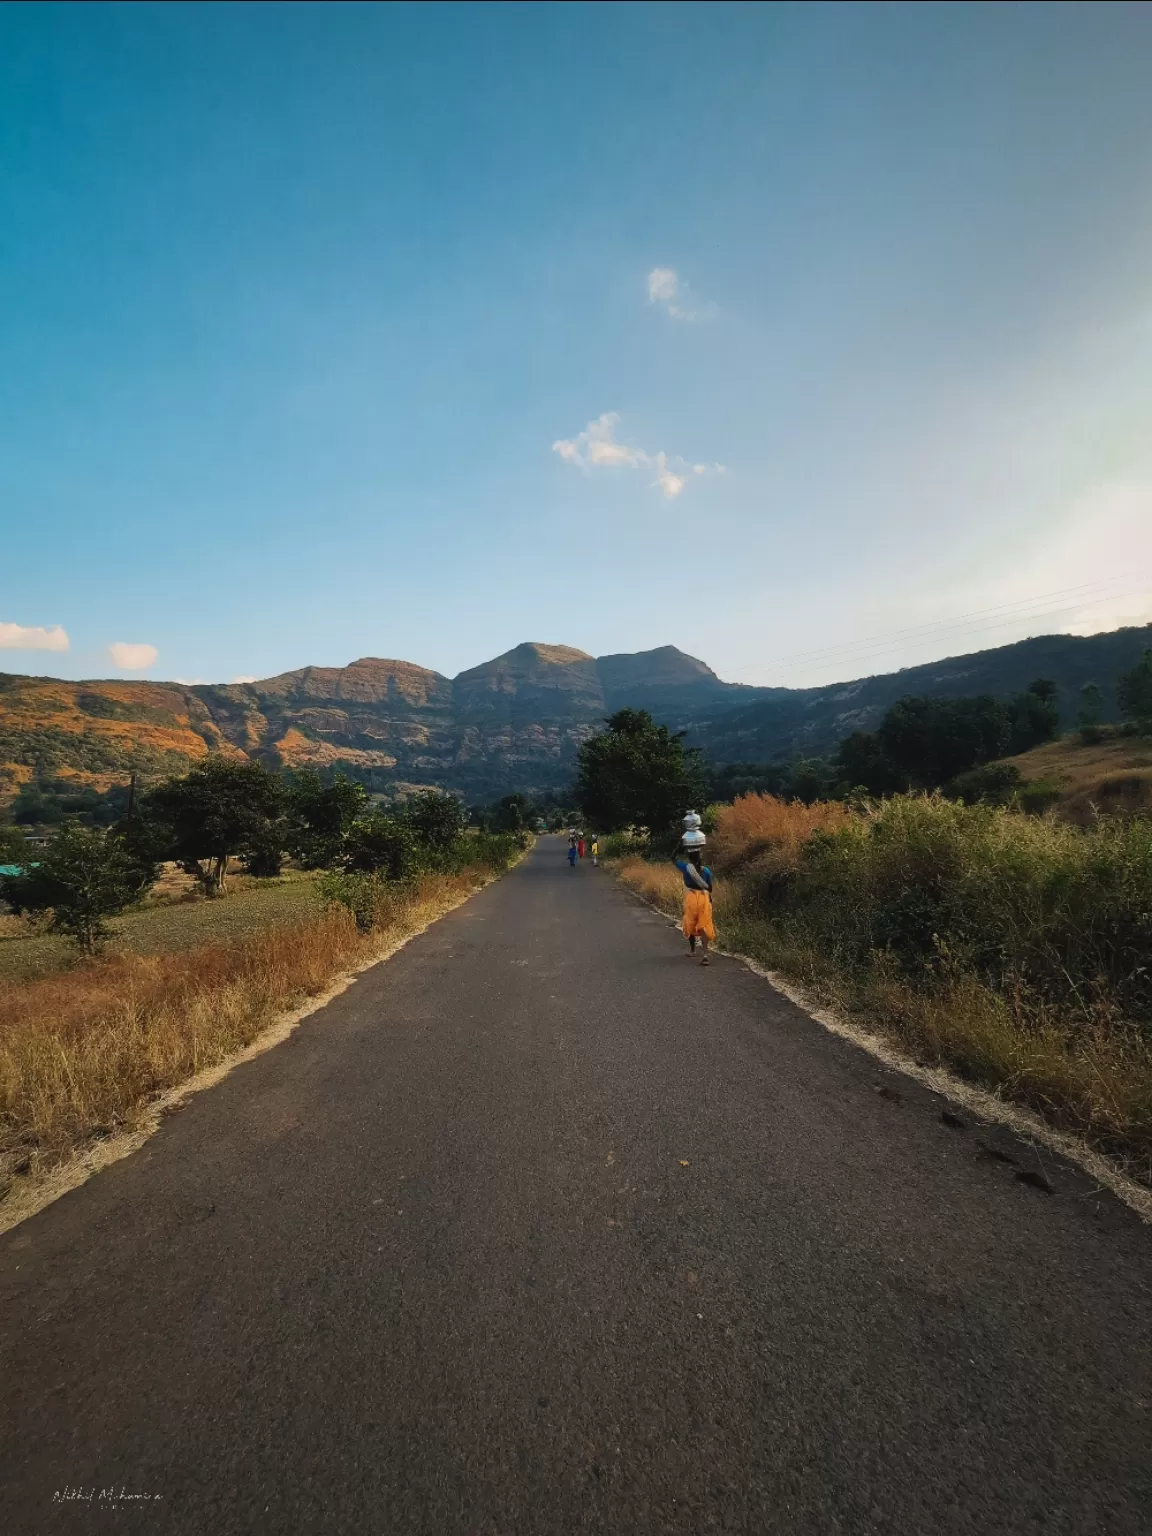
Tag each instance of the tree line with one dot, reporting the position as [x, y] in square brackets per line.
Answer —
[638, 774]
[226, 810]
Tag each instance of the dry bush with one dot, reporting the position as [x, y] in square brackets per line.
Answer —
[86, 1052]
[764, 830]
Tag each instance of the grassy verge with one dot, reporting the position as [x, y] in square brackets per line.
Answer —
[85, 1052]
[1012, 950]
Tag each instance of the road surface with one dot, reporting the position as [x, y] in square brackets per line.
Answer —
[542, 1228]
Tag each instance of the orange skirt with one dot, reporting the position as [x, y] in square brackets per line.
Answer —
[698, 916]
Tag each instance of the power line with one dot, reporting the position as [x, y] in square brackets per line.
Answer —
[895, 639]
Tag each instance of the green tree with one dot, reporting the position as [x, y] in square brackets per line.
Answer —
[1032, 716]
[1134, 693]
[1091, 707]
[932, 740]
[637, 774]
[320, 817]
[13, 845]
[220, 809]
[437, 819]
[509, 814]
[861, 763]
[82, 877]
[382, 845]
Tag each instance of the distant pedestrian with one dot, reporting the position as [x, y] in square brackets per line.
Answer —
[595, 852]
[698, 922]
[580, 845]
[571, 855]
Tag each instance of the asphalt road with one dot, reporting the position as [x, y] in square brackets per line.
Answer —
[541, 1228]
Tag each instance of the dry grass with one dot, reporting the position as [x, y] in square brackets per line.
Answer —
[84, 1053]
[758, 825]
[1110, 775]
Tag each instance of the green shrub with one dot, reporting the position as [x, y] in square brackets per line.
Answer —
[385, 846]
[361, 894]
[1037, 909]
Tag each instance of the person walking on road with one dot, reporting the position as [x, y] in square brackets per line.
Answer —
[580, 845]
[698, 922]
[571, 855]
[595, 851]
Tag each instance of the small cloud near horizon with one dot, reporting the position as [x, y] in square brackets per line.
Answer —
[132, 657]
[20, 637]
[665, 287]
[245, 677]
[596, 447]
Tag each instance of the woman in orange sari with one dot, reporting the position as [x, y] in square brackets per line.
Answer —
[698, 922]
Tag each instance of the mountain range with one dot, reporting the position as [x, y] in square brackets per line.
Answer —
[514, 722]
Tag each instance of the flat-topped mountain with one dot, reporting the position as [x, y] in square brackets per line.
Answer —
[514, 722]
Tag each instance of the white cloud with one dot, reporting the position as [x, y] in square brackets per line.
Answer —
[191, 682]
[596, 447]
[665, 287]
[18, 637]
[132, 658]
[244, 677]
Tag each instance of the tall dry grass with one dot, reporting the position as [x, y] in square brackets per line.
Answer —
[1015, 950]
[84, 1053]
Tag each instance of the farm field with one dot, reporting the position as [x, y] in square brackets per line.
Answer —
[164, 925]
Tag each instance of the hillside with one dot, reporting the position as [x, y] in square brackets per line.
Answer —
[1111, 775]
[812, 721]
[514, 722]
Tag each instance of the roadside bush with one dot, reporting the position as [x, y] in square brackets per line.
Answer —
[991, 784]
[363, 895]
[385, 846]
[437, 820]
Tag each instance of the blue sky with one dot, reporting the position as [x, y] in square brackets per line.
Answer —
[816, 340]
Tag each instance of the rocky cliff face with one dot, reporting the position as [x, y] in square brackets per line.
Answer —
[512, 723]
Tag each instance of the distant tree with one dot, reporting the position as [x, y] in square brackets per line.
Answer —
[808, 781]
[13, 845]
[1032, 717]
[48, 801]
[509, 814]
[1134, 693]
[320, 817]
[386, 846]
[436, 819]
[932, 740]
[1091, 707]
[220, 809]
[82, 878]
[861, 763]
[637, 774]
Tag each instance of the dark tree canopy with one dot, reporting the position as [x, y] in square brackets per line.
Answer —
[1134, 693]
[221, 808]
[437, 819]
[383, 845]
[926, 743]
[320, 816]
[637, 774]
